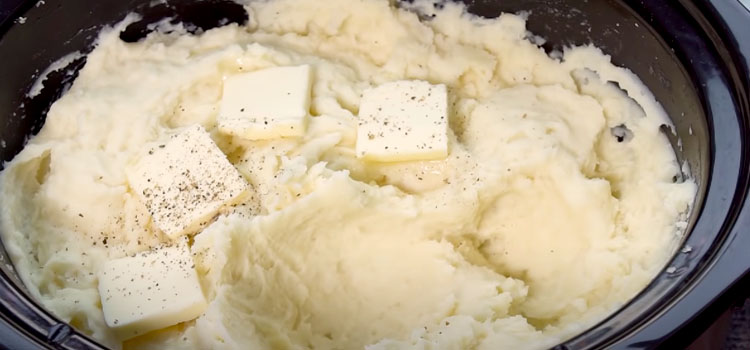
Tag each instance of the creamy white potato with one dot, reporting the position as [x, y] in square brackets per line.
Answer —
[555, 205]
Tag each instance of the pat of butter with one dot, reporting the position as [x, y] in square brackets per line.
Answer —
[266, 104]
[151, 290]
[186, 182]
[403, 120]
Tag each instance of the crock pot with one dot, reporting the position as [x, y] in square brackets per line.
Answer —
[693, 55]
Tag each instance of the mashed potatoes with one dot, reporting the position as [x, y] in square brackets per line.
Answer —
[555, 205]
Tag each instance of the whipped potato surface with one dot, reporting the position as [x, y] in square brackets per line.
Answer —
[555, 205]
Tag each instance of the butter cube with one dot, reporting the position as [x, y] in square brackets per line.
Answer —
[402, 121]
[151, 290]
[266, 104]
[186, 182]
